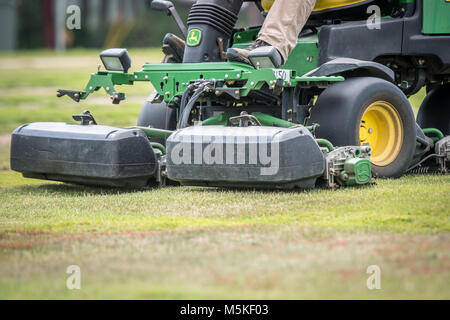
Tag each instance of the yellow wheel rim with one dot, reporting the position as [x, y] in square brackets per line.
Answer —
[382, 128]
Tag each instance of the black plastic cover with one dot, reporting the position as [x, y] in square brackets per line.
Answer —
[91, 154]
[214, 19]
[350, 67]
[234, 157]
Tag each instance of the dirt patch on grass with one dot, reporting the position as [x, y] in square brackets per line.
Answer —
[23, 232]
[5, 140]
[29, 239]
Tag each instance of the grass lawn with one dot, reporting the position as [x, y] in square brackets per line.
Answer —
[186, 242]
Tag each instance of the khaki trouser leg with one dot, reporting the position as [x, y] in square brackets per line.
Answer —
[284, 23]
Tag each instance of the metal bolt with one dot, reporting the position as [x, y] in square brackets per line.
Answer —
[167, 93]
[146, 77]
[236, 92]
[289, 111]
[370, 130]
[252, 83]
[135, 77]
[90, 88]
[76, 95]
[217, 93]
[238, 76]
[107, 88]
[166, 78]
[238, 37]
[226, 76]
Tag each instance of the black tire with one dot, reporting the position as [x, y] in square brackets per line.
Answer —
[339, 111]
[435, 109]
[157, 115]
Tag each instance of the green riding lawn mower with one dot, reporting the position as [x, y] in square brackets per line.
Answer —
[336, 113]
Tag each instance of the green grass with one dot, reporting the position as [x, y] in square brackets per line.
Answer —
[28, 84]
[186, 242]
[183, 242]
[386, 207]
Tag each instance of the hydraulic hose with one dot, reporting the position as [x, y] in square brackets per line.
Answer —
[159, 146]
[185, 96]
[325, 143]
[434, 131]
[186, 110]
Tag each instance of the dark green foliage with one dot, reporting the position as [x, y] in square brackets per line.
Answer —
[30, 25]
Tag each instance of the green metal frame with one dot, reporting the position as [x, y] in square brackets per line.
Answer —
[171, 80]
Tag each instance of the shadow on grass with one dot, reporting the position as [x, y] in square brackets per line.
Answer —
[83, 190]
[262, 191]
[317, 189]
[73, 190]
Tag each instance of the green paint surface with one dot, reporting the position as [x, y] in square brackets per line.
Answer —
[436, 17]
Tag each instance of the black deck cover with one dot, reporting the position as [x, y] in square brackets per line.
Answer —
[91, 154]
[248, 157]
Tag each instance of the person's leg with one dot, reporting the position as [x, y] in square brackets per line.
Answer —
[284, 23]
[281, 28]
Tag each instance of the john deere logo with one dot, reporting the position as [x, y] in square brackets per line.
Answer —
[194, 37]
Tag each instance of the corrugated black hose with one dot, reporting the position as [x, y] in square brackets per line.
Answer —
[186, 109]
[185, 96]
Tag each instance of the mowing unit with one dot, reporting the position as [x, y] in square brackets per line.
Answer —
[335, 114]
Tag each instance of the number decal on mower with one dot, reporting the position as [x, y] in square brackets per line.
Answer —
[284, 75]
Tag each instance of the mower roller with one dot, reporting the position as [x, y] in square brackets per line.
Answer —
[336, 113]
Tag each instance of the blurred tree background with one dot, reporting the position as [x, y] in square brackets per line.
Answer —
[34, 24]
